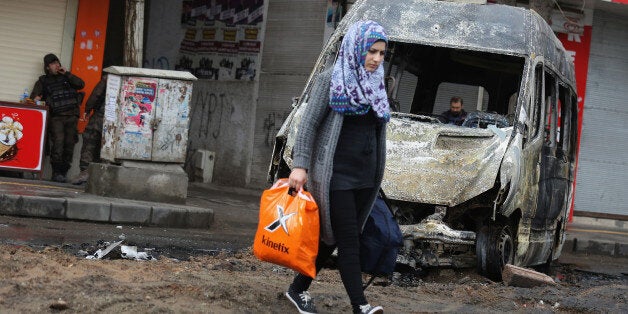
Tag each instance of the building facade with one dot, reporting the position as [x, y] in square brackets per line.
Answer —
[254, 56]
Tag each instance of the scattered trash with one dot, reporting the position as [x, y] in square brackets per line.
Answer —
[122, 236]
[82, 253]
[126, 251]
[59, 305]
[101, 253]
[130, 252]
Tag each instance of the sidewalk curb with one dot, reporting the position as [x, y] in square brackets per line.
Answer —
[592, 247]
[104, 210]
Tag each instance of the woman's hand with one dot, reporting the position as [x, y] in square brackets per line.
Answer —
[297, 179]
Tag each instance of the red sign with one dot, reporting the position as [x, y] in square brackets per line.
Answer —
[22, 136]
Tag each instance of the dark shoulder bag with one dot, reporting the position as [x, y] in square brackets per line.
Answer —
[380, 241]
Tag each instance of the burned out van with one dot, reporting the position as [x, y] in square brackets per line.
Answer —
[497, 188]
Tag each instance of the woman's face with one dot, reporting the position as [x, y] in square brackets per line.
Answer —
[375, 56]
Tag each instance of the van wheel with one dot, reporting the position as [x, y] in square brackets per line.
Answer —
[495, 247]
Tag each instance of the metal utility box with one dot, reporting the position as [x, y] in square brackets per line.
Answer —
[146, 115]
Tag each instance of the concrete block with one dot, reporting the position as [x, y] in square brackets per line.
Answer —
[608, 248]
[130, 213]
[599, 247]
[151, 183]
[203, 165]
[88, 210]
[523, 277]
[180, 217]
[199, 218]
[9, 204]
[41, 206]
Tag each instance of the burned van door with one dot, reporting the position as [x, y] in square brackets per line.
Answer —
[532, 145]
[553, 182]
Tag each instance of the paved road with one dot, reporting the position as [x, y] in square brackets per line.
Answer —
[233, 228]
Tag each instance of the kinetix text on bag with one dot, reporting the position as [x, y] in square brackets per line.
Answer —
[275, 246]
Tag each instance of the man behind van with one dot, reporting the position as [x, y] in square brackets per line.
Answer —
[455, 114]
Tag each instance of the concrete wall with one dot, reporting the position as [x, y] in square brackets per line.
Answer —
[164, 34]
[222, 116]
[294, 39]
[228, 117]
[221, 113]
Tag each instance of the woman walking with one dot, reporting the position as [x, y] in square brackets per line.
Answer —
[340, 152]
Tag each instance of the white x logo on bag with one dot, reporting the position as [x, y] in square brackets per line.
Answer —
[281, 221]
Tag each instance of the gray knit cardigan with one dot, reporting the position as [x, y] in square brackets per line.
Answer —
[314, 148]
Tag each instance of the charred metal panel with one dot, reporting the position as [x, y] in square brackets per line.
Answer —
[448, 24]
[435, 163]
[491, 28]
[437, 231]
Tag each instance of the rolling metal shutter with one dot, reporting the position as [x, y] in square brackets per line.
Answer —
[602, 178]
[29, 29]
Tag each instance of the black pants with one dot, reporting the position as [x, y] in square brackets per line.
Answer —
[63, 136]
[344, 208]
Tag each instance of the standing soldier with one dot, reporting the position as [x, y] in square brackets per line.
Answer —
[59, 89]
[92, 135]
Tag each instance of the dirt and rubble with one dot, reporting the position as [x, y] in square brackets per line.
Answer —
[52, 279]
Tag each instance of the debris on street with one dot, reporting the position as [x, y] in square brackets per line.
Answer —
[59, 305]
[126, 252]
[524, 277]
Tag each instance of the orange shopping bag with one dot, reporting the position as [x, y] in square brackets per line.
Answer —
[288, 229]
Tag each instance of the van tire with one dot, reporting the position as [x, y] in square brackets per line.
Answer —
[495, 247]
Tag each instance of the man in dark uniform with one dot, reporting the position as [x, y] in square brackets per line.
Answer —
[59, 89]
[455, 114]
[92, 135]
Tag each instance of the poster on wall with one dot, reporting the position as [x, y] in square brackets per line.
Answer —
[138, 96]
[22, 136]
[222, 39]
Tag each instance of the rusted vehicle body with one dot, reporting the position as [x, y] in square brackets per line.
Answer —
[496, 189]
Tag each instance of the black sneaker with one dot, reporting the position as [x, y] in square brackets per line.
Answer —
[303, 301]
[369, 309]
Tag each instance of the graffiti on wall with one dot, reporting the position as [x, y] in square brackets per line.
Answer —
[272, 124]
[211, 110]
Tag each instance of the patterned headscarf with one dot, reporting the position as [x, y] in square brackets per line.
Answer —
[354, 90]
